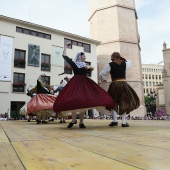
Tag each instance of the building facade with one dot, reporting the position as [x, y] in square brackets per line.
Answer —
[28, 50]
[114, 23]
[152, 77]
[166, 77]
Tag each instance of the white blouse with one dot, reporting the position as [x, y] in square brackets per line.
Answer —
[107, 69]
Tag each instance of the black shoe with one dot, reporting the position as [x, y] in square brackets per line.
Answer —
[125, 125]
[51, 120]
[28, 120]
[44, 122]
[38, 121]
[82, 125]
[113, 124]
[65, 121]
[71, 124]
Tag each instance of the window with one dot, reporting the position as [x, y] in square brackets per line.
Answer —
[152, 76]
[159, 77]
[46, 79]
[18, 82]
[143, 76]
[66, 41]
[26, 31]
[45, 62]
[19, 58]
[34, 33]
[19, 29]
[146, 90]
[150, 83]
[87, 47]
[75, 43]
[47, 36]
[149, 76]
[40, 35]
[80, 44]
[146, 76]
[156, 76]
[146, 83]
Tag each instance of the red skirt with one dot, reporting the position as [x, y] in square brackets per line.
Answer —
[41, 102]
[82, 92]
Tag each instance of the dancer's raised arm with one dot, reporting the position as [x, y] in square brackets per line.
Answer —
[65, 47]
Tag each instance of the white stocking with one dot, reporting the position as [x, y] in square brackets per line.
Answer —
[73, 117]
[124, 118]
[114, 116]
[82, 117]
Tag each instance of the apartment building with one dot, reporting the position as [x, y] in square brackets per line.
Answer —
[152, 76]
[28, 50]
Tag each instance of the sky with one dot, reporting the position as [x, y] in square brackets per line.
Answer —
[72, 16]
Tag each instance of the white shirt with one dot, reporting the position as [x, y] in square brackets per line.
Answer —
[107, 69]
[64, 82]
[54, 87]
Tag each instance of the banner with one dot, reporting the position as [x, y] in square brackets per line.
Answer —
[6, 49]
[57, 59]
[33, 55]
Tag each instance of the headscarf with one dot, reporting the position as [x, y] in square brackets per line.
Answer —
[77, 60]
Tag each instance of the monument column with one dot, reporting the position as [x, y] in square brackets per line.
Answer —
[114, 24]
[166, 77]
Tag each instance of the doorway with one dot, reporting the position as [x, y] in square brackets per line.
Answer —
[15, 108]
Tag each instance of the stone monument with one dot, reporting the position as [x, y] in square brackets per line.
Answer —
[114, 24]
[166, 77]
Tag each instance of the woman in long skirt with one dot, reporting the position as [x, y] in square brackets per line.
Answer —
[81, 93]
[126, 99]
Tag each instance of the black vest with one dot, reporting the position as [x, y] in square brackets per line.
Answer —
[118, 71]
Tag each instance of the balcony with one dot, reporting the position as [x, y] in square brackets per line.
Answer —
[19, 87]
[19, 63]
[45, 66]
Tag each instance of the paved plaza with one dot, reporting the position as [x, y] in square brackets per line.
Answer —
[26, 145]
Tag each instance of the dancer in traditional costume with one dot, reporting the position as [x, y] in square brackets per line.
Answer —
[126, 99]
[63, 82]
[42, 104]
[81, 93]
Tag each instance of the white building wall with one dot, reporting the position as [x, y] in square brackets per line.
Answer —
[21, 41]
